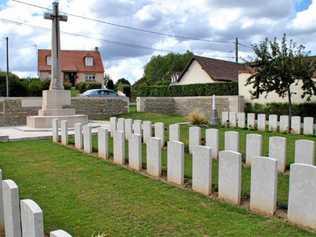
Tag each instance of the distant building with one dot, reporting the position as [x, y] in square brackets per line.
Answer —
[76, 65]
[202, 70]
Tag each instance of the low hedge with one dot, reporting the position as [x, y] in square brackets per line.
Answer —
[303, 110]
[84, 86]
[230, 88]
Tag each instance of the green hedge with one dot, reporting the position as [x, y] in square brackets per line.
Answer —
[303, 110]
[84, 86]
[230, 88]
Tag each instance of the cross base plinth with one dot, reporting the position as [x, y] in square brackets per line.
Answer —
[55, 105]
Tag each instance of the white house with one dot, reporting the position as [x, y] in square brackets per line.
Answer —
[202, 70]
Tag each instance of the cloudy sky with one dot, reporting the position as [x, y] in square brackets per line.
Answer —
[218, 22]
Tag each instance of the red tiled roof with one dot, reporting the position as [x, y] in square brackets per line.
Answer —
[72, 61]
[218, 70]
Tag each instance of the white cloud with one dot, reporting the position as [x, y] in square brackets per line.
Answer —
[215, 20]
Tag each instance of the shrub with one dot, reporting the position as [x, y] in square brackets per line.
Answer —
[196, 118]
[303, 110]
[230, 88]
[84, 86]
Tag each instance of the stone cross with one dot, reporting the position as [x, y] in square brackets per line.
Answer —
[56, 80]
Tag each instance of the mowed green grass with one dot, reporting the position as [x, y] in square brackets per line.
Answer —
[83, 195]
[283, 179]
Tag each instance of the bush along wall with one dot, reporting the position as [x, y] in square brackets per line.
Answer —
[303, 110]
[230, 88]
[84, 86]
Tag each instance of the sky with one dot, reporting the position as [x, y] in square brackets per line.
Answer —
[217, 22]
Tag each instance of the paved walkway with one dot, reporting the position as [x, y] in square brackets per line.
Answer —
[24, 133]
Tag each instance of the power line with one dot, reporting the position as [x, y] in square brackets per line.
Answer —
[85, 36]
[101, 39]
[129, 27]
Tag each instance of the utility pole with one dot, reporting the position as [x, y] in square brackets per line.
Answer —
[236, 49]
[7, 74]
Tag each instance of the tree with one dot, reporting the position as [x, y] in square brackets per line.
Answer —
[110, 84]
[280, 65]
[122, 81]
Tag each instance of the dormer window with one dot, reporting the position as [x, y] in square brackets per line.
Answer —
[49, 60]
[88, 61]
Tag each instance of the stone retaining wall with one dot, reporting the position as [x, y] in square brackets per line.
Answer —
[13, 111]
[185, 105]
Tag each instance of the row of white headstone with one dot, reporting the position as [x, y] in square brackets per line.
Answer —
[274, 123]
[21, 218]
[264, 170]
[304, 149]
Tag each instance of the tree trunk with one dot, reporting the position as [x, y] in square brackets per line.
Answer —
[290, 108]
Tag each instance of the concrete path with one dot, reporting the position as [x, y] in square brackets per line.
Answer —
[24, 133]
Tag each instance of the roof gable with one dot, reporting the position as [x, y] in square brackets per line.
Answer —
[218, 70]
[72, 61]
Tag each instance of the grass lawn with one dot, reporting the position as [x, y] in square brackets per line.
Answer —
[83, 195]
[283, 180]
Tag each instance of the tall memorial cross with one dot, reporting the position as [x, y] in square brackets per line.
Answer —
[56, 80]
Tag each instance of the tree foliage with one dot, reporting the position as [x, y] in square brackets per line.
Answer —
[159, 69]
[278, 66]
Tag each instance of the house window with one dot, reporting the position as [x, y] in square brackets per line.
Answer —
[88, 61]
[90, 77]
[49, 60]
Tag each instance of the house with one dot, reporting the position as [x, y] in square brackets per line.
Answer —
[202, 70]
[76, 65]
[272, 97]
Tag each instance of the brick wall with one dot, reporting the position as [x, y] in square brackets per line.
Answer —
[185, 105]
[13, 111]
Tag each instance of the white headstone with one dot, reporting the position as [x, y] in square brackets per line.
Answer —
[277, 150]
[31, 219]
[304, 151]
[119, 148]
[87, 138]
[212, 141]
[264, 185]
[302, 195]
[1, 200]
[153, 158]
[147, 131]
[174, 132]
[232, 141]
[296, 125]
[202, 170]
[225, 118]
[261, 122]
[251, 121]
[175, 163]
[232, 119]
[11, 208]
[241, 120]
[120, 125]
[194, 137]
[284, 123]
[64, 132]
[137, 127]
[229, 176]
[160, 132]
[273, 122]
[253, 147]
[55, 129]
[128, 128]
[113, 126]
[103, 143]
[135, 152]
[308, 126]
[78, 136]
[59, 233]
